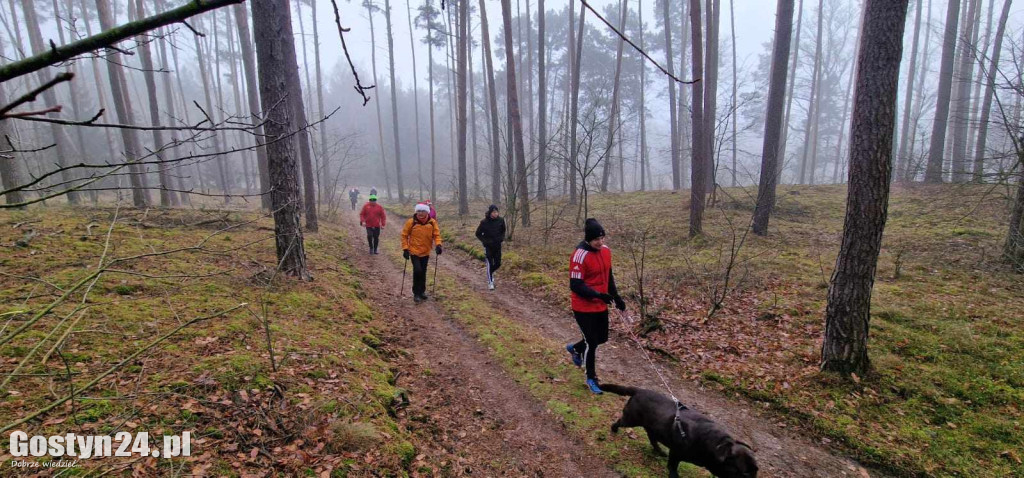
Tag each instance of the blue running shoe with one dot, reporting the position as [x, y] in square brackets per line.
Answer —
[577, 359]
[594, 387]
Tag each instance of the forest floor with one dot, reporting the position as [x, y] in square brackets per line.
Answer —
[946, 393]
[477, 382]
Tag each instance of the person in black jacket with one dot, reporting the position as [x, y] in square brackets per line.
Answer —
[491, 233]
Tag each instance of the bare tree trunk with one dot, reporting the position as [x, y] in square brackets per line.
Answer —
[961, 107]
[972, 124]
[123, 108]
[463, 53]
[711, 96]
[569, 119]
[903, 160]
[305, 152]
[167, 198]
[812, 109]
[275, 51]
[528, 72]
[433, 142]
[472, 109]
[370, 7]
[697, 175]
[320, 97]
[50, 98]
[773, 123]
[219, 160]
[989, 77]
[685, 156]
[673, 121]
[575, 108]
[643, 100]
[789, 94]
[415, 100]
[215, 47]
[1014, 248]
[493, 106]
[844, 349]
[252, 93]
[94, 63]
[72, 86]
[514, 117]
[910, 173]
[542, 105]
[933, 173]
[10, 174]
[614, 107]
[236, 92]
[394, 102]
[735, 108]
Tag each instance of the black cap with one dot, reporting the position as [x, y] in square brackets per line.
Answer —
[592, 230]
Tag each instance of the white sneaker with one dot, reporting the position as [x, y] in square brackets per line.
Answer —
[490, 285]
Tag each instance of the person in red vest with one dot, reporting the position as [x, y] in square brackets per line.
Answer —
[593, 289]
[373, 218]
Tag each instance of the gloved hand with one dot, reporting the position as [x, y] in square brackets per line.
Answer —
[606, 298]
[437, 249]
[405, 254]
[619, 303]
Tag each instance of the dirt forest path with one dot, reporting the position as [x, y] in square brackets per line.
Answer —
[463, 369]
[476, 419]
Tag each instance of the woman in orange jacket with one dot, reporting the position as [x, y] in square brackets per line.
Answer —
[418, 236]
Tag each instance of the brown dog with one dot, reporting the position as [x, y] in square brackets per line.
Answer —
[689, 436]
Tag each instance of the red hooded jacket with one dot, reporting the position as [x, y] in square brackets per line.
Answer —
[373, 215]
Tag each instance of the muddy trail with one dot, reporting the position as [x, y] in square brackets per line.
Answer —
[493, 416]
[472, 416]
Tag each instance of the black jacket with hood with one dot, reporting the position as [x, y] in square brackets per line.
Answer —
[491, 232]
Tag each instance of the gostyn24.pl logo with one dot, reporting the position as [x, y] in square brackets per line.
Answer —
[72, 446]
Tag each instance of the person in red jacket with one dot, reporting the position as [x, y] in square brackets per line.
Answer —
[374, 219]
[593, 288]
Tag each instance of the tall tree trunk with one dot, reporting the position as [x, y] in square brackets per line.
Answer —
[844, 349]
[320, 97]
[523, 192]
[614, 107]
[219, 160]
[123, 108]
[167, 197]
[700, 159]
[433, 137]
[215, 46]
[813, 101]
[903, 160]
[1014, 247]
[789, 94]
[989, 77]
[275, 52]
[72, 86]
[252, 93]
[685, 155]
[643, 100]
[97, 79]
[394, 102]
[472, 109]
[972, 124]
[711, 96]
[542, 105]
[10, 174]
[492, 95]
[415, 100]
[575, 108]
[773, 123]
[370, 7]
[305, 152]
[910, 172]
[62, 149]
[673, 122]
[528, 72]
[237, 92]
[735, 108]
[936, 153]
[961, 108]
[569, 121]
[463, 60]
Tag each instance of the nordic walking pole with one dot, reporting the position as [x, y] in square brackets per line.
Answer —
[402, 289]
[433, 288]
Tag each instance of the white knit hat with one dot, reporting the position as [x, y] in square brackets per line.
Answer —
[421, 208]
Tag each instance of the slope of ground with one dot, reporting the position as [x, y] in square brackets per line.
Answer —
[525, 338]
[330, 408]
[947, 391]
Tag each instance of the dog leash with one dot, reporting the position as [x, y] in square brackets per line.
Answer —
[629, 326]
